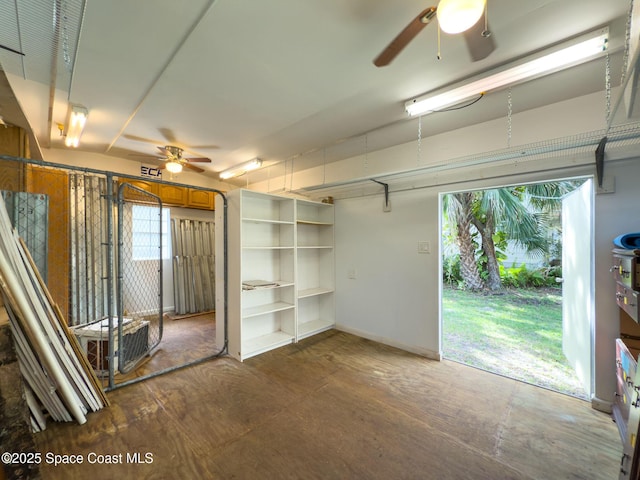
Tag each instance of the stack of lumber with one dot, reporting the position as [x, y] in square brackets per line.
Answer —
[59, 382]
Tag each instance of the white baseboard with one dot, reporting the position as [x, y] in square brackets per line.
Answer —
[601, 405]
[430, 354]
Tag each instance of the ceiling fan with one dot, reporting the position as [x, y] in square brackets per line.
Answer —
[454, 16]
[174, 161]
[172, 152]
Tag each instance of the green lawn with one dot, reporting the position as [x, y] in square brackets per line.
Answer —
[516, 333]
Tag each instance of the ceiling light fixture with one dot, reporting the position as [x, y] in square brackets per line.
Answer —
[580, 51]
[75, 125]
[241, 169]
[456, 16]
[173, 166]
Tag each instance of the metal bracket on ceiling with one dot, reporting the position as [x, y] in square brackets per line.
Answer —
[387, 206]
[600, 160]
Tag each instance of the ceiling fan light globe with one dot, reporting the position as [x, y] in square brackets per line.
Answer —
[456, 16]
[173, 167]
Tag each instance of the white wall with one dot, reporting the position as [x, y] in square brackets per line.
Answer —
[395, 294]
[395, 297]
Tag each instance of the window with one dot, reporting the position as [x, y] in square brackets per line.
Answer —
[145, 230]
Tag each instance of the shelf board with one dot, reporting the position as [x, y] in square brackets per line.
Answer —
[263, 343]
[274, 247]
[266, 308]
[311, 292]
[315, 246]
[267, 220]
[314, 222]
[312, 327]
[280, 284]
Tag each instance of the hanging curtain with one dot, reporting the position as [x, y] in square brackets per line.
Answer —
[88, 224]
[193, 265]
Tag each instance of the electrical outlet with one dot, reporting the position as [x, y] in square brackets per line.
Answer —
[352, 273]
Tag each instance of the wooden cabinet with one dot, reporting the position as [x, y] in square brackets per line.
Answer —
[280, 279]
[146, 185]
[174, 195]
[204, 199]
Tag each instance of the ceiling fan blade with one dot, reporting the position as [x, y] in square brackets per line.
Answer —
[198, 160]
[168, 135]
[480, 41]
[193, 167]
[144, 155]
[165, 152]
[203, 147]
[404, 37]
[140, 139]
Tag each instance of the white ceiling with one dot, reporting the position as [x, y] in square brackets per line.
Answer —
[276, 79]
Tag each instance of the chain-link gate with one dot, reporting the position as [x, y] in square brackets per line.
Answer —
[98, 243]
[141, 228]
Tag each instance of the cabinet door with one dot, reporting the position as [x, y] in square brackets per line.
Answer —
[172, 195]
[200, 199]
[151, 187]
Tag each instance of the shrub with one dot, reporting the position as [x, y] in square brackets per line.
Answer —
[451, 271]
[522, 277]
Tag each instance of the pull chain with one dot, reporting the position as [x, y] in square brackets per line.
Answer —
[627, 42]
[324, 166]
[419, 140]
[607, 88]
[366, 153]
[509, 117]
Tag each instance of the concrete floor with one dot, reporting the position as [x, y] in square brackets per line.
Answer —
[336, 407]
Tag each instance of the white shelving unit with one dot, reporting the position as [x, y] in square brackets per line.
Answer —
[315, 268]
[261, 248]
[285, 245]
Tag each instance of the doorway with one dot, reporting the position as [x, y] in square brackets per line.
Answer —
[516, 286]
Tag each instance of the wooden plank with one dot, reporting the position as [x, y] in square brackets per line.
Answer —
[70, 337]
[13, 281]
[44, 314]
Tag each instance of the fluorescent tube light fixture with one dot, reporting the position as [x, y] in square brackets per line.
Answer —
[75, 125]
[241, 169]
[570, 56]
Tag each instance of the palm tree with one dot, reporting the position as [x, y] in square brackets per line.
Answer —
[459, 211]
[503, 210]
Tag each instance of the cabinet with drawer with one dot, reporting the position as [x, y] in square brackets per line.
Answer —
[626, 269]
[626, 405]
